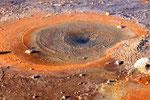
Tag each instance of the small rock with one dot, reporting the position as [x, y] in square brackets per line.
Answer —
[81, 83]
[35, 96]
[3, 85]
[147, 83]
[111, 81]
[108, 63]
[68, 77]
[62, 92]
[28, 51]
[85, 58]
[65, 97]
[119, 26]
[31, 69]
[82, 74]
[77, 92]
[107, 13]
[119, 62]
[143, 65]
[35, 76]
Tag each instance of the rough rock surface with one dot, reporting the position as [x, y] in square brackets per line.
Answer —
[130, 9]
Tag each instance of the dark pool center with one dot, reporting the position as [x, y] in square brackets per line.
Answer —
[77, 42]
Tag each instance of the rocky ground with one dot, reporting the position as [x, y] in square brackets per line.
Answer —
[130, 9]
[111, 78]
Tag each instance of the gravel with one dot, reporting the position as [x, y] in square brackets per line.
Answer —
[130, 9]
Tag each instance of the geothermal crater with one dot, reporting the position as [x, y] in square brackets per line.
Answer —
[77, 49]
[77, 42]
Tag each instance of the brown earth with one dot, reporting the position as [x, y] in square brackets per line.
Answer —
[83, 81]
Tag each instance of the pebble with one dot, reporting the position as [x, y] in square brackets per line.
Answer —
[28, 51]
[35, 77]
[68, 77]
[62, 92]
[119, 26]
[143, 65]
[107, 13]
[147, 83]
[119, 62]
[3, 85]
[81, 83]
[35, 96]
[31, 69]
[65, 97]
[142, 62]
[85, 58]
[108, 63]
[78, 92]
[111, 81]
[82, 74]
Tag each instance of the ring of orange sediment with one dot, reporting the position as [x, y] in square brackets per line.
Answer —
[15, 37]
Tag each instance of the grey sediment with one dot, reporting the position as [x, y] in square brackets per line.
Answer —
[77, 42]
